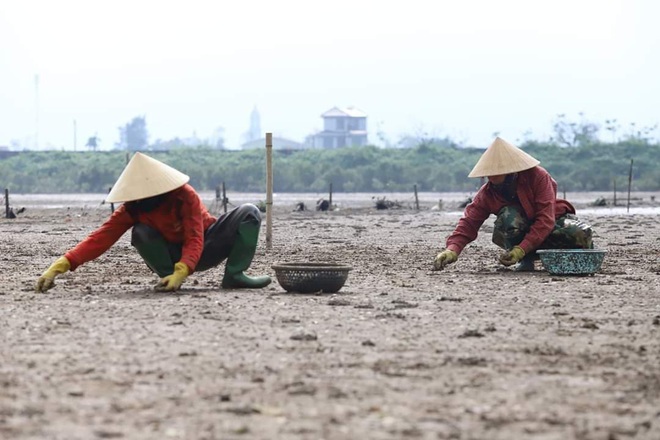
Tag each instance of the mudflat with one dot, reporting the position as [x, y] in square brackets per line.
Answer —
[476, 351]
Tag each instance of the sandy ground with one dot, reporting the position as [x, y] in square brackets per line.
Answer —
[474, 352]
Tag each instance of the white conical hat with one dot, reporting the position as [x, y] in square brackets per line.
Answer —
[145, 177]
[502, 158]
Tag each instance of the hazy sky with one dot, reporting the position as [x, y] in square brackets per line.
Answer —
[465, 69]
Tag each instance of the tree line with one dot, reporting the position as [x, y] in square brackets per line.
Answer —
[432, 166]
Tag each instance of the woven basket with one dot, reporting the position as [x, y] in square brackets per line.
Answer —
[311, 277]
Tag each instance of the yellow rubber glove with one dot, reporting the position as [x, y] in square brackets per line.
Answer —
[509, 258]
[47, 279]
[173, 282]
[444, 258]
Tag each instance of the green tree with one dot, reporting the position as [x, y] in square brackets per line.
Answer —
[93, 143]
[640, 134]
[573, 134]
[433, 167]
[133, 136]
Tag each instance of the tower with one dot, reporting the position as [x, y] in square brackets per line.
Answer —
[254, 132]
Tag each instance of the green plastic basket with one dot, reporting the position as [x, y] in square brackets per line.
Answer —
[572, 261]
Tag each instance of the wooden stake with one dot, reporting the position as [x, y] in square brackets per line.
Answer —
[416, 199]
[218, 199]
[6, 203]
[614, 184]
[629, 184]
[224, 198]
[269, 190]
[330, 201]
[112, 205]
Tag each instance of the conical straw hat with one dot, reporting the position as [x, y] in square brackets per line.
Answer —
[145, 177]
[502, 158]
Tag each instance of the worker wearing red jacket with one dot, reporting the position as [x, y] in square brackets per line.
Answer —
[523, 195]
[171, 229]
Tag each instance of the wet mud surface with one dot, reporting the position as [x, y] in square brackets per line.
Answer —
[473, 352]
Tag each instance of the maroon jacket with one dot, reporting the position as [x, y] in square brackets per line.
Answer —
[537, 193]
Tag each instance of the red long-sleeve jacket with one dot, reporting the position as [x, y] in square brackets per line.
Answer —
[537, 194]
[180, 218]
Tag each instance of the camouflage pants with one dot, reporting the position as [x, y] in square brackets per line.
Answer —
[512, 225]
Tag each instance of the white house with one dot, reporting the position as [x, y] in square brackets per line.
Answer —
[342, 127]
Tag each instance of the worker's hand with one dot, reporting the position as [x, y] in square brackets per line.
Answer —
[509, 258]
[173, 282]
[47, 279]
[444, 258]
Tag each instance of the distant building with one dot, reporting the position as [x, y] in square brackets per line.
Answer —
[254, 132]
[342, 127]
[279, 143]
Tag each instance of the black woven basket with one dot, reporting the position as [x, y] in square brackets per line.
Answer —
[311, 277]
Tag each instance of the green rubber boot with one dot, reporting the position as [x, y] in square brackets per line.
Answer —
[526, 264]
[241, 256]
[157, 256]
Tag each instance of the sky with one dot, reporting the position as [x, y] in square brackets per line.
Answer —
[463, 69]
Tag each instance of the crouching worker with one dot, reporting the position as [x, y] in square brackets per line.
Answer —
[523, 196]
[171, 230]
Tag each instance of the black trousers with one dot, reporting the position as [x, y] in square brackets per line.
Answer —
[219, 238]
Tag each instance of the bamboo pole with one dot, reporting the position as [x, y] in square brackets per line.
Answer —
[269, 190]
[629, 184]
